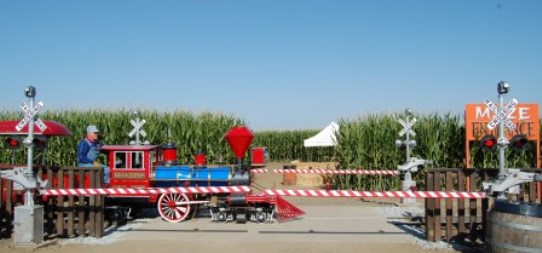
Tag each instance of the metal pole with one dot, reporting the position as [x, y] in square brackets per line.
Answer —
[30, 172]
[501, 141]
[407, 183]
[137, 133]
[407, 141]
[137, 137]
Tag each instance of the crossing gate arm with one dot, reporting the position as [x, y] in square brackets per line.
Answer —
[145, 191]
[271, 192]
[377, 194]
[256, 171]
[338, 172]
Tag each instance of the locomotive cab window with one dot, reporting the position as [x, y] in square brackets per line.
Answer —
[153, 157]
[137, 160]
[120, 160]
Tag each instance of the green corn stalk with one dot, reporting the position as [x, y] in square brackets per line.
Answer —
[366, 142]
[191, 132]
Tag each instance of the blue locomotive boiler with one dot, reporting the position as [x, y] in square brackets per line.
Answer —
[184, 175]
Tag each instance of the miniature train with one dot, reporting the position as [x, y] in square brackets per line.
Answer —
[145, 166]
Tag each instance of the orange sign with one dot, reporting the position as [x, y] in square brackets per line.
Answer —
[525, 119]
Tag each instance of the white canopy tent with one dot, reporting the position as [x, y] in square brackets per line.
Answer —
[325, 138]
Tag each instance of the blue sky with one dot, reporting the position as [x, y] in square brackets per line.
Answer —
[281, 64]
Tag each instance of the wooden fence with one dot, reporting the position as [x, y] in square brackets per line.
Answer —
[451, 219]
[63, 216]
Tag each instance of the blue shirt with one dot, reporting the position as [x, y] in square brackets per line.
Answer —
[83, 149]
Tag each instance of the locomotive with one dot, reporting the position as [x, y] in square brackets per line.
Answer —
[142, 166]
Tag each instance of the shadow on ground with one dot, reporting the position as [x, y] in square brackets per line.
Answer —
[414, 226]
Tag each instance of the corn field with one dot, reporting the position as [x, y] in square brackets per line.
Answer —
[367, 142]
[190, 132]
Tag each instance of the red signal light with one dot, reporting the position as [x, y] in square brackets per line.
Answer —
[39, 143]
[518, 142]
[13, 143]
[488, 142]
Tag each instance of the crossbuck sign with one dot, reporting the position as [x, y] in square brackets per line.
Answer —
[407, 127]
[502, 115]
[138, 128]
[29, 114]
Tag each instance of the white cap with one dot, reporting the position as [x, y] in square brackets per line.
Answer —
[92, 129]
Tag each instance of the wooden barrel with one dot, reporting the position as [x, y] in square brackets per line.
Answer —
[288, 178]
[514, 227]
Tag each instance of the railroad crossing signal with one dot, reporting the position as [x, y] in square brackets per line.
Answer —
[407, 124]
[13, 143]
[138, 128]
[137, 131]
[488, 142]
[518, 142]
[502, 115]
[30, 113]
[407, 127]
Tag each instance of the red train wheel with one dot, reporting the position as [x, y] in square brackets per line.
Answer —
[170, 209]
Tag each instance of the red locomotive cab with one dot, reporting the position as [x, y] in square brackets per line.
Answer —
[131, 166]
